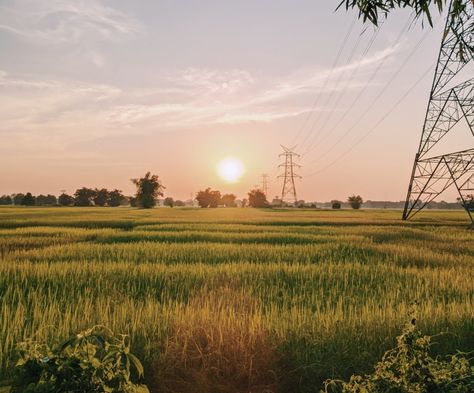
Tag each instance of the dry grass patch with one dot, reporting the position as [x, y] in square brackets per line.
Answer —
[219, 345]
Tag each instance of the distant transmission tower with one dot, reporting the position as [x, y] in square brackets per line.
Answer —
[288, 192]
[265, 184]
[432, 175]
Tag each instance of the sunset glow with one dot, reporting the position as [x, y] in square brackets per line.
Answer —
[230, 169]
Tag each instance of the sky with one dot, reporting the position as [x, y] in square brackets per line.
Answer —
[96, 92]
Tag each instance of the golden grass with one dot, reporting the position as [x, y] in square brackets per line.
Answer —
[236, 300]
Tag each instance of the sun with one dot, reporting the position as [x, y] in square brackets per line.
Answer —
[230, 169]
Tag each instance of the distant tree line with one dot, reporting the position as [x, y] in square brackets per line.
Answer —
[82, 197]
[150, 188]
[209, 198]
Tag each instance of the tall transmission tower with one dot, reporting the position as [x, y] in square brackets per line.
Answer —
[431, 175]
[265, 184]
[288, 192]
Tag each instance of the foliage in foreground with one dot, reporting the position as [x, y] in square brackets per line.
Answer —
[92, 361]
[409, 368]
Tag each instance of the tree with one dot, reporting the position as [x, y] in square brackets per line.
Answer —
[179, 203]
[6, 200]
[133, 201]
[65, 200]
[208, 198]
[374, 10]
[257, 198]
[17, 198]
[28, 199]
[168, 202]
[46, 200]
[336, 204]
[149, 188]
[355, 201]
[244, 202]
[228, 200]
[115, 198]
[84, 196]
[101, 197]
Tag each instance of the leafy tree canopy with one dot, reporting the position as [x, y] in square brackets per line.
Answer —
[101, 197]
[375, 10]
[46, 200]
[65, 200]
[208, 198]
[84, 196]
[228, 200]
[149, 188]
[168, 202]
[28, 199]
[257, 198]
[17, 198]
[6, 200]
[355, 201]
[116, 198]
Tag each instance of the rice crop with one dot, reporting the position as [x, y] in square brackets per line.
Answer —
[237, 300]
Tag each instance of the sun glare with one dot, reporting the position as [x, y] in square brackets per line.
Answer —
[230, 169]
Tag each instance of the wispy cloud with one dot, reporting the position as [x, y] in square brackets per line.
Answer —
[186, 99]
[64, 21]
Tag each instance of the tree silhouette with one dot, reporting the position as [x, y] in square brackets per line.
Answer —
[149, 188]
[228, 200]
[355, 201]
[101, 197]
[28, 199]
[257, 198]
[168, 202]
[208, 198]
[84, 196]
[65, 200]
[116, 198]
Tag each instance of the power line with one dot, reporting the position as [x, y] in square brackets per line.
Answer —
[376, 99]
[316, 101]
[372, 129]
[343, 90]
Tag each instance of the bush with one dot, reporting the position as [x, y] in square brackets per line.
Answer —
[409, 368]
[93, 361]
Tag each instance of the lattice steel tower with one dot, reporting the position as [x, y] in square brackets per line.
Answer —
[288, 192]
[447, 106]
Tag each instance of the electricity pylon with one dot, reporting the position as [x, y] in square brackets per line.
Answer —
[431, 175]
[265, 184]
[288, 192]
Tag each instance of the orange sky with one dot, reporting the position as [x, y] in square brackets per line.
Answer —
[93, 93]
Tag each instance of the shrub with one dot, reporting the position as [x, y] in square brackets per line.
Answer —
[92, 361]
[409, 368]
